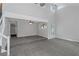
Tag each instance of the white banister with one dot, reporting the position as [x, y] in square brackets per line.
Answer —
[2, 25]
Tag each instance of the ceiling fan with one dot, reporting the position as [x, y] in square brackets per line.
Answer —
[41, 4]
[53, 6]
[56, 7]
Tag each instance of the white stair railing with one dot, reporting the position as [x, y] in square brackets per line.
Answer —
[2, 25]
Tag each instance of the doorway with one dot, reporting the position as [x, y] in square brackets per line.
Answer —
[13, 29]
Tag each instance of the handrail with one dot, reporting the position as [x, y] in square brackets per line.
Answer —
[0, 22]
[6, 37]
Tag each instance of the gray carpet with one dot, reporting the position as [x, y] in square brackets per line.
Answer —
[39, 46]
[25, 40]
[3, 54]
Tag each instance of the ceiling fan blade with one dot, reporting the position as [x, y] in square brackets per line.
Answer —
[60, 7]
[42, 4]
[35, 3]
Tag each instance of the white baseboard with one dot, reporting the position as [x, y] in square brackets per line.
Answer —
[64, 38]
[51, 37]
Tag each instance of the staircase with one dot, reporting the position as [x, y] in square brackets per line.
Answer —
[2, 36]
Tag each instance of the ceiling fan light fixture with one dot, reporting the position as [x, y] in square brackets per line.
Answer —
[30, 22]
[42, 4]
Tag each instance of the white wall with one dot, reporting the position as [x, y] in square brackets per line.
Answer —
[29, 9]
[32, 10]
[25, 29]
[68, 23]
[67, 18]
[42, 32]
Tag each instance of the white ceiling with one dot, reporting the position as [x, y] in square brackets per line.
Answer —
[31, 9]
